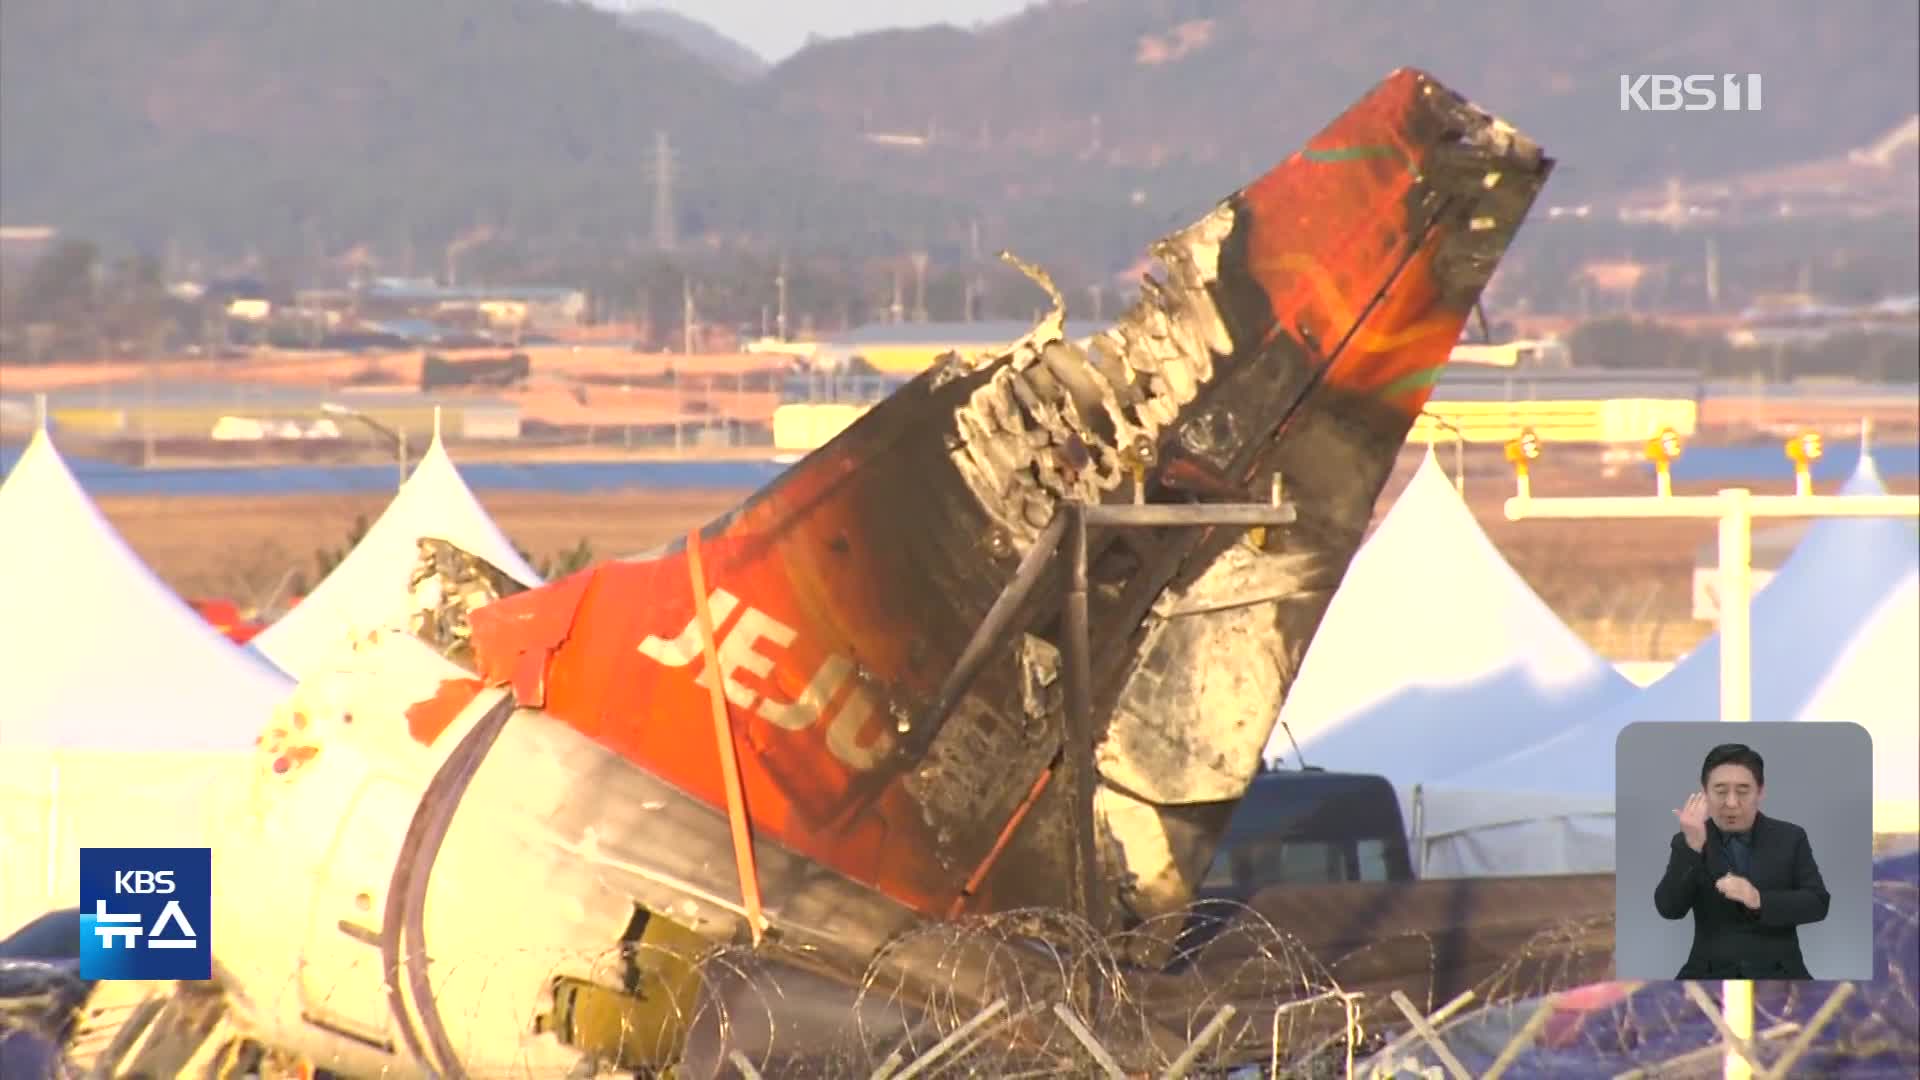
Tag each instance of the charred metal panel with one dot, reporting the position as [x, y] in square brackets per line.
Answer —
[447, 586]
[1299, 333]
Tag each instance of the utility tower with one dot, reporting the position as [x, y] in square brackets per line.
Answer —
[664, 237]
[780, 287]
[919, 286]
[686, 316]
[1713, 276]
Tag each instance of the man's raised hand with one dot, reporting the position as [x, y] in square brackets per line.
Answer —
[1693, 821]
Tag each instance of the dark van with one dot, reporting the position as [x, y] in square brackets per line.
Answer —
[1309, 827]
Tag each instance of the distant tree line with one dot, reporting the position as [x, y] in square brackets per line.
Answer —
[73, 303]
[77, 302]
[1643, 343]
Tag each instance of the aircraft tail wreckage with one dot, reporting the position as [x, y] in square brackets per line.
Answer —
[1015, 639]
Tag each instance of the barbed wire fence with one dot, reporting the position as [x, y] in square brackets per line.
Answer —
[1039, 993]
[1216, 991]
[1636, 1031]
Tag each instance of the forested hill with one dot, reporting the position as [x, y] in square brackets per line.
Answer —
[317, 125]
[358, 119]
[703, 41]
[1229, 81]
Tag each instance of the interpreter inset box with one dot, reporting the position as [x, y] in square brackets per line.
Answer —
[1743, 851]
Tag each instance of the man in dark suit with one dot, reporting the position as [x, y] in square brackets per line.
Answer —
[1749, 879]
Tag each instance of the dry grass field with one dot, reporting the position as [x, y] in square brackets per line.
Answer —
[1625, 586]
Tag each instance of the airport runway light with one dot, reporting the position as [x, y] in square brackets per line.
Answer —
[1522, 453]
[1803, 450]
[398, 438]
[1663, 450]
[1138, 457]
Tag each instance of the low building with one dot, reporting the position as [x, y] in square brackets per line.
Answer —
[1520, 353]
[249, 412]
[910, 348]
[539, 309]
[23, 245]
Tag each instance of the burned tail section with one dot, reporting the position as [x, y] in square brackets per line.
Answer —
[816, 630]
[1299, 332]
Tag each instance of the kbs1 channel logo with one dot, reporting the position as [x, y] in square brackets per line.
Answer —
[1690, 93]
[145, 914]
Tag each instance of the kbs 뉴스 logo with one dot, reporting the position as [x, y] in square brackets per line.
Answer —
[145, 913]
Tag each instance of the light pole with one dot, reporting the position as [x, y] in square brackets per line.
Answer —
[1735, 508]
[1459, 448]
[398, 438]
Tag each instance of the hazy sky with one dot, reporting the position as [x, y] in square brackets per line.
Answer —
[776, 28]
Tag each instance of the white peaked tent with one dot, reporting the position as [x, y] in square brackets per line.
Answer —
[123, 713]
[369, 589]
[1876, 683]
[1435, 655]
[1829, 636]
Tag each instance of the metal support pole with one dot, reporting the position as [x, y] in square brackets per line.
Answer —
[399, 438]
[146, 418]
[1736, 606]
[1523, 507]
[1079, 739]
[1459, 449]
[1140, 515]
[1078, 748]
[1419, 831]
[1736, 706]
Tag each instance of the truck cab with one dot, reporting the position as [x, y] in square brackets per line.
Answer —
[1309, 827]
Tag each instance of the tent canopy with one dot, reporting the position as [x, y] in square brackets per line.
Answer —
[1434, 654]
[95, 651]
[369, 590]
[1876, 684]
